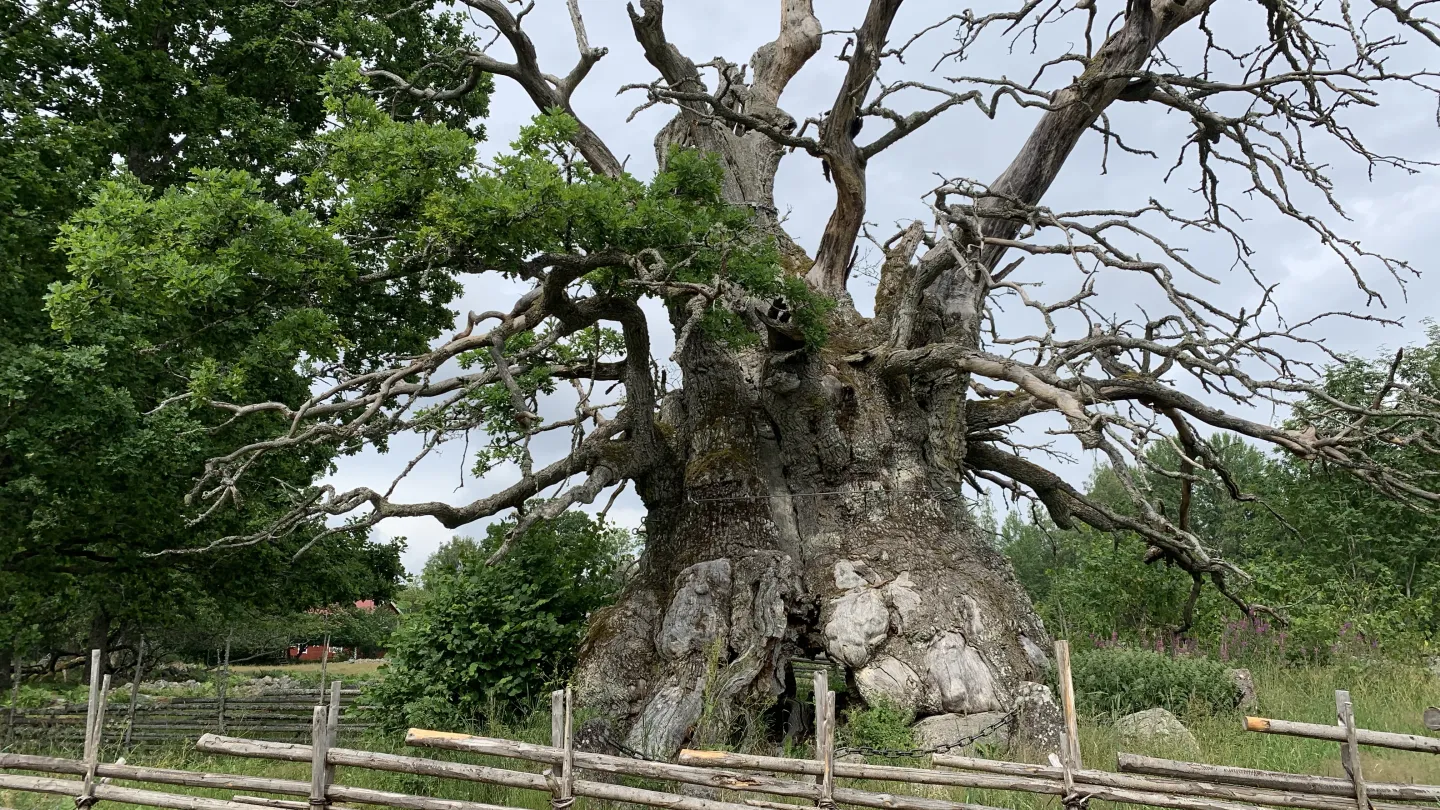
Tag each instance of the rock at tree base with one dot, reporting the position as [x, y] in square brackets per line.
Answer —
[889, 680]
[1245, 695]
[955, 729]
[1157, 728]
[1038, 719]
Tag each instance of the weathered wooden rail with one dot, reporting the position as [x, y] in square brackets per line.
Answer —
[785, 783]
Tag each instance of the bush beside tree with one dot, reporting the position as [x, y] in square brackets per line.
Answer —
[1120, 681]
[481, 642]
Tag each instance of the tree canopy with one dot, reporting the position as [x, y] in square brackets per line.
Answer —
[160, 119]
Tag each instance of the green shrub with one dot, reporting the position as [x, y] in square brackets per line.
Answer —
[882, 725]
[483, 643]
[1120, 681]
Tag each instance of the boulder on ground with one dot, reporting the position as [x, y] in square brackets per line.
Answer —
[1157, 729]
[954, 729]
[1038, 719]
[1245, 695]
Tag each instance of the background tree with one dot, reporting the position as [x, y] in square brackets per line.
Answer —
[1330, 554]
[802, 472]
[92, 477]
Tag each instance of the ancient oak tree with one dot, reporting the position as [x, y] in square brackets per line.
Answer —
[803, 465]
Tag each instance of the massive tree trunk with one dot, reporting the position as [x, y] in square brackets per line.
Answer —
[807, 512]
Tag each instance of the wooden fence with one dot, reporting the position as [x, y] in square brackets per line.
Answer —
[275, 716]
[783, 783]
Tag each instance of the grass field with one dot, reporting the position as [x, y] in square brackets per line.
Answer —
[1386, 697]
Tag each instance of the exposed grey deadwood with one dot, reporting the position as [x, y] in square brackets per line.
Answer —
[770, 468]
[1432, 718]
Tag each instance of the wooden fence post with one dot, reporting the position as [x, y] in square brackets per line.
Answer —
[333, 720]
[1070, 741]
[825, 738]
[319, 756]
[134, 693]
[94, 729]
[332, 729]
[324, 665]
[1350, 749]
[14, 696]
[562, 735]
[567, 766]
[557, 718]
[224, 685]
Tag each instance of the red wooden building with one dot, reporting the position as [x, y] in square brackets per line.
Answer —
[315, 651]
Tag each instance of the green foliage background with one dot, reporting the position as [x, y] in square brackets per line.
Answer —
[1121, 681]
[131, 135]
[483, 642]
[1347, 569]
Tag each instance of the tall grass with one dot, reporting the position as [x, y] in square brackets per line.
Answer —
[1387, 697]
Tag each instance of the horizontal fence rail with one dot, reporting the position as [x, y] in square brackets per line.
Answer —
[1317, 731]
[1251, 777]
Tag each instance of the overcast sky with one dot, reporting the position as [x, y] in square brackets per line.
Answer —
[1392, 213]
